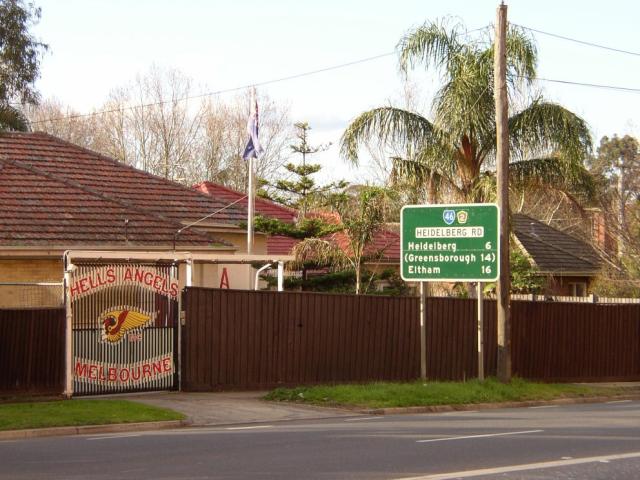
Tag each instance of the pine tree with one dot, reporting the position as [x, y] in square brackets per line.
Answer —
[303, 193]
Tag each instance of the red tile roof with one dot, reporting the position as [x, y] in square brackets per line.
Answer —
[114, 179]
[385, 246]
[55, 193]
[276, 244]
[264, 207]
[280, 244]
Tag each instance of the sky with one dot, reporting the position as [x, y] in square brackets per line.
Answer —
[96, 46]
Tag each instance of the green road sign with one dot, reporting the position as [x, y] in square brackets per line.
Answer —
[449, 242]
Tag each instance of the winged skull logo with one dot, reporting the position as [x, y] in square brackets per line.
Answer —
[118, 322]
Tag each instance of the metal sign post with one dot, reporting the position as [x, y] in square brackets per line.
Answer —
[450, 243]
[480, 334]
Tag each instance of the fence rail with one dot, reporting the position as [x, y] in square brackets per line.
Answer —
[571, 299]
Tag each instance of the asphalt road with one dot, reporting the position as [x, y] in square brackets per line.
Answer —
[595, 441]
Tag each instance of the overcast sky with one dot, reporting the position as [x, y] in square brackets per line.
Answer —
[98, 45]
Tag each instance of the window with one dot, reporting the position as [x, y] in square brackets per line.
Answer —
[578, 289]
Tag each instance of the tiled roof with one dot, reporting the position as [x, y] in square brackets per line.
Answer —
[276, 244]
[553, 251]
[264, 207]
[114, 179]
[385, 246]
[53, 192]
[280, 244]
[40, 209]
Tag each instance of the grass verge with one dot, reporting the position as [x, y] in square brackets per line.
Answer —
[389, 395]
[64, 413]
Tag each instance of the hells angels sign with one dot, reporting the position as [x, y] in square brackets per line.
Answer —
[124, 327]
[128, 275]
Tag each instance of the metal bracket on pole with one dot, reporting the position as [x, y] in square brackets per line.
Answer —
[258, 272]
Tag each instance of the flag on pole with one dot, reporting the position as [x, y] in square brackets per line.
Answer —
[253, 148]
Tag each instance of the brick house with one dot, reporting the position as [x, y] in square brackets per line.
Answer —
[570, 264]
[58, 196]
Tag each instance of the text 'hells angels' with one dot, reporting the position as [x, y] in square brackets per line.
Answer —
[129, 275]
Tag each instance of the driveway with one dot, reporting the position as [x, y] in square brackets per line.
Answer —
[226, 408]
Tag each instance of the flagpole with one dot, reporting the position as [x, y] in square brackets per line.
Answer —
[252, 151]
[250, 201]
[251, 188]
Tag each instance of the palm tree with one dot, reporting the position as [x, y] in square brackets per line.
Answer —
[361, 215]
[453, 152]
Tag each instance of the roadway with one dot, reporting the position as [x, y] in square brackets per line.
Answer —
[595, 441]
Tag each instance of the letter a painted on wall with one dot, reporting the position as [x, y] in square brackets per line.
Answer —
[224, 279]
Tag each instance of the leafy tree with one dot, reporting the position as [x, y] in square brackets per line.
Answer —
[525, 278]
[618, 166]
[303, 193]
[188, 141]
[19, 61]
[12, 119]
[453, 151]
[619, 157]
[305, 228]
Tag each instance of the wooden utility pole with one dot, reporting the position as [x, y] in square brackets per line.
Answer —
[502, 163]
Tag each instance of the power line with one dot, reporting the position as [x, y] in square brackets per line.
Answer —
[583, 84]
[235, 89]
[582, 42]
[220, 92]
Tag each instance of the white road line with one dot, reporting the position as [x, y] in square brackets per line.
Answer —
[460, 412]
[619, 401]
[255, 427]
[108, 437]
[486, 435]
[545, 406]
[360, 419]
[523, 467]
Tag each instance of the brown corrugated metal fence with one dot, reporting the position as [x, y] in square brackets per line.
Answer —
[235, 339]
[32, 351]
[452, 333]
[243, 339]
[576, 341]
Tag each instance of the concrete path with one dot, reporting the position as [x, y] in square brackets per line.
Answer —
[225, 408]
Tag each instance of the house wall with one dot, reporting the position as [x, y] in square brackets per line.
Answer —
[232, 276]
[557, 285]
[239, 240]
[30, 271]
